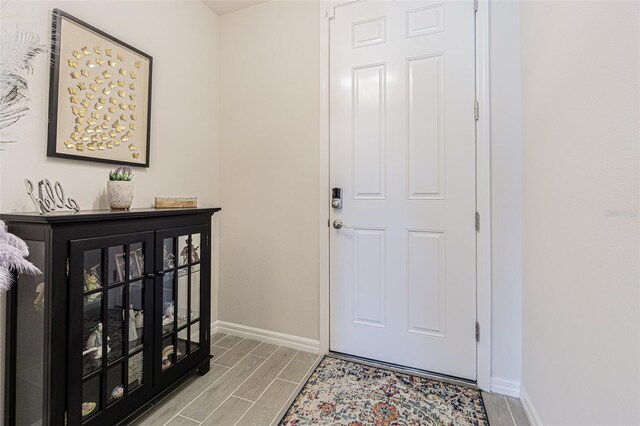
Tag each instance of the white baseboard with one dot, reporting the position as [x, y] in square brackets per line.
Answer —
[505, 386]
[529, 409]
[268, 336]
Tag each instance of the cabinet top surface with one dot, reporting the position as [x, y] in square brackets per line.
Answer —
[92, 215]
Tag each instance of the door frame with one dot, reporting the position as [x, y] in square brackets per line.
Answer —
[483, 185]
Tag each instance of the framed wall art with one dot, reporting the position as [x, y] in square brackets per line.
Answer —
[99, 96]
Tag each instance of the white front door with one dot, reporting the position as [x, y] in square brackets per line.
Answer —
[402, 82]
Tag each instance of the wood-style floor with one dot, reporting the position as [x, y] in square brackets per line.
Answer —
[253, 383]
[504, 410]
[250, 383]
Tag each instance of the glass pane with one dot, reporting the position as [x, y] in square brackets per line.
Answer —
[195, 248]
[183, 247]
[183, 297]
[92, 270]
[183, 337]
[115, 264]
[168, 358]
[92, 333]
[115, 323]
[168, 255]
[168, 313]
[195, 292]
[91, 397]
[195, 336]
[135, 370]
[135, 315]
[115, 388]
[136, 261]
[30, 294]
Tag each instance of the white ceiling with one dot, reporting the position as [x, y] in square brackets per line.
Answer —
[222, 7]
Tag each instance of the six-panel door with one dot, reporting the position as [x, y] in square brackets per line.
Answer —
[402, 92]
[110, 336]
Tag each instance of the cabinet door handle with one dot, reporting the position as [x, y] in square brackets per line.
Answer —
[157, 274]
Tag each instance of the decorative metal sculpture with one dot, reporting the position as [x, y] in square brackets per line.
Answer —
[49, 198]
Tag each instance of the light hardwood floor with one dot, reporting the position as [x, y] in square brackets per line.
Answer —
[250, 383]
[504, 410]
[253, 383]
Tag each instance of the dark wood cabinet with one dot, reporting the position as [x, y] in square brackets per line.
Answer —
[119, 316]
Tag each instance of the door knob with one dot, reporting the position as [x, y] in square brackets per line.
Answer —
[338, 224]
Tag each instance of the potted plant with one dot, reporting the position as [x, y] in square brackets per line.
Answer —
[120, 188]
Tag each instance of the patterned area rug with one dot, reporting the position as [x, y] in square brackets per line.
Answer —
[348, 393]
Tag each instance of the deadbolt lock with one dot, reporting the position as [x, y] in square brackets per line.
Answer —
[336, 198]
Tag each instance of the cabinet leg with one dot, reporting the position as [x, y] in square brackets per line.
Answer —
[204, 368]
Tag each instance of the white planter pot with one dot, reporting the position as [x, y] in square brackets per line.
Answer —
[120, 194]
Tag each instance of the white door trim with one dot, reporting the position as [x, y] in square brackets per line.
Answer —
[483, 196]
[483, 186]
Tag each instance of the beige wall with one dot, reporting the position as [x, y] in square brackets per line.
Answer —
[269, 56]
[182, 37]
[581, 314]
[506, 193]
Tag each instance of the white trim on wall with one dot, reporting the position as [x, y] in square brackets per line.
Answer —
[483, 186]
[267, 336]
[483, 197]
[529, 410]
[326, 13]
[505, 386]
[325, 196]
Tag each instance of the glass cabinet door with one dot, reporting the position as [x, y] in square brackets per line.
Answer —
[108, 282]
[30, 292]
[180, 301]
